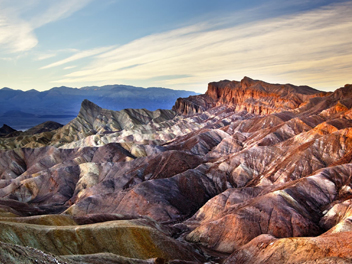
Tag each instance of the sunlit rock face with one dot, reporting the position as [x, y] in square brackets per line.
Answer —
[250, 171]
[248, 95]
[323, 249]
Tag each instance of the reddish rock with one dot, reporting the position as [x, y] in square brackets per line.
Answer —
[248, 95]
[324, 249]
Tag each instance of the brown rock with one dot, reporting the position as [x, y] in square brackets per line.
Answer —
[125, 238]
[335, 248]
[248, 95]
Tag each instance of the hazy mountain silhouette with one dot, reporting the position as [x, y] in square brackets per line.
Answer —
[24, 109]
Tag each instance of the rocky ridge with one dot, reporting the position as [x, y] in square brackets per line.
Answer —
[250, 172]
[251, 96]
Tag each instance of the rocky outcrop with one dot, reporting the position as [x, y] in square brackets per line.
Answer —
[93, 120]
[193, 104]
[248, 95]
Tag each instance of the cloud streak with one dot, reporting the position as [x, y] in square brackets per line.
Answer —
[58, 10]
[17, 33]
[45, 56]
[78, 56]
[70, 67]
[295, 48]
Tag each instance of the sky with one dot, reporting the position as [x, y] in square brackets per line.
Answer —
[183, 44]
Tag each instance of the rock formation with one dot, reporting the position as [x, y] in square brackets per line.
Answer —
[249, 172]
[6, 130]
[248, 95]
[43, 127]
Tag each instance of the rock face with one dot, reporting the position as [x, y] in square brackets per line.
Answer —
[248, 95]
[250, 172]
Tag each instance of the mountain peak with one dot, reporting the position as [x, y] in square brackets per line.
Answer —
[86, 104]
[5, 130]
[246, 82]
[89, 111]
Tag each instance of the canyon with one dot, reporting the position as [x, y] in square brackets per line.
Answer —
[249, 172]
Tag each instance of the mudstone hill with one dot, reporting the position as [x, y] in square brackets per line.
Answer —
[249, 172]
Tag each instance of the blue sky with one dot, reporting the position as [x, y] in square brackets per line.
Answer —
[181, 44]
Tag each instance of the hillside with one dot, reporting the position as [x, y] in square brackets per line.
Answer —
[249, 172]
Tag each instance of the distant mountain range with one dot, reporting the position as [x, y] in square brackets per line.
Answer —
[24, 109]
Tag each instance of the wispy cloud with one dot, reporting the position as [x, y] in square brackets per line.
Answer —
[295, 48]
[70, 67]
[78, 56]
[59, 9]
[17, 34]
[45, 56]
[7, 59]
